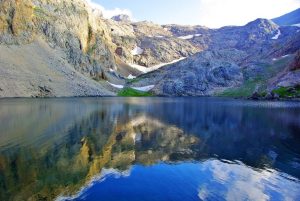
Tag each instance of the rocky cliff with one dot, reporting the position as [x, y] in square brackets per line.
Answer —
[69, 32]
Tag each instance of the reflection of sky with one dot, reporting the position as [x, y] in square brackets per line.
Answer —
[244, 183]
[210, 180]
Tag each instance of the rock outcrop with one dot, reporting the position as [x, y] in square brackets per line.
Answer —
[286, 84]
[147, 44]
[205, 73]
[70, 26]
[121, 18]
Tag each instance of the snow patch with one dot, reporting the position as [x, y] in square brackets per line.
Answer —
[145, 88]
[130, 77]
[189, 36]
[277, 35]
[137, 51]
[159, 36]
[284, 56]
[111, 70]
[144, 69]
[116, 85]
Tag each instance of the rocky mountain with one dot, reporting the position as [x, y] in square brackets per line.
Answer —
[260, 39]
[66, 48]
[234, 61]
[288, 19]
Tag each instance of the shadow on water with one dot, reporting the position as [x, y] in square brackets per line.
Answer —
[206, 148]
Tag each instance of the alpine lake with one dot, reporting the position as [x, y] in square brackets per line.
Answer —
[149, 149]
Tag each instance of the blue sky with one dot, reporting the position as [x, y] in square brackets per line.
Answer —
[211, 13]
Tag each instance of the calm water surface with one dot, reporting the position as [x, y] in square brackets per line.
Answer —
[149, 149]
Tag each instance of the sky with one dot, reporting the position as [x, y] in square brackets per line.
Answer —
[210, 13]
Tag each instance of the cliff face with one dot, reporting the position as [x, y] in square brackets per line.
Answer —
[70, 26]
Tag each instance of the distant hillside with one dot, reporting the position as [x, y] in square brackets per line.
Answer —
[289, 18]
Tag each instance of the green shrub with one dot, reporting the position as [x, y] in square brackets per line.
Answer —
[287, 92]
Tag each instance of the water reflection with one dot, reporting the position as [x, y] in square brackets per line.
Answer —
[205, 148]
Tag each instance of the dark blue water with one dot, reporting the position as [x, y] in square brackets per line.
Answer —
[149, 149]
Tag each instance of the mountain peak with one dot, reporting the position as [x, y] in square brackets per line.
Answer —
[121, 18]
[264, 24]
[261, 21]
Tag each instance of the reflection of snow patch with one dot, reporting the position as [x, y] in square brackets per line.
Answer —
[111, 70]
[296, 25]
[189, 36]
[116, 85]
[137, 51]
[277, 35]
[105, 173]
[144, 69]
[130, 77]
[203, 193]
[145, 88]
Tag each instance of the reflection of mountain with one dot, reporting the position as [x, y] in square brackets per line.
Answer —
[62, 146]
[91, 144]
[247, 131]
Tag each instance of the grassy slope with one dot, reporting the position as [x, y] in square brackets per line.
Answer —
[258, 83]
[129, 92]
[286, 92]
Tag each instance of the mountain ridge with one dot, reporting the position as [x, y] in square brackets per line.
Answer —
[98, 54]
[288, 19]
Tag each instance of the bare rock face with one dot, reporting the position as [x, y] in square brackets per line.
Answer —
[289, 78]
[70, 25]
[295, 65]
[205, 73]
[156, 44]
[121, 18]
[16, 20]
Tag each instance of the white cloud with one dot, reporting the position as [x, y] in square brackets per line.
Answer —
[107, 13]
[217, 13]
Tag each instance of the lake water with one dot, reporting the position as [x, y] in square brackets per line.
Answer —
[149, 149]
